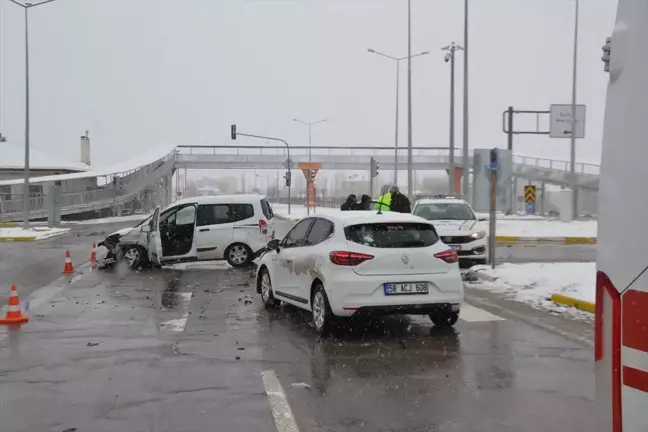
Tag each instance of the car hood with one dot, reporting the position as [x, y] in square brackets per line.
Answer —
[458, 227]
[122, 232]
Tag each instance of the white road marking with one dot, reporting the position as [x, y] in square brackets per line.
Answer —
[178, 325]
[473, 314]
[283, 415]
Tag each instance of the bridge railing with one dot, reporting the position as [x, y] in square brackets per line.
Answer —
[560, 165]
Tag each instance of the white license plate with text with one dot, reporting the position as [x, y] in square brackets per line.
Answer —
[406, 288]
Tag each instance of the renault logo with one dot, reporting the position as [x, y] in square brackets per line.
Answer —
[405, 259]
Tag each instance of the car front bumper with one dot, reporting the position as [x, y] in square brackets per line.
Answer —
[468, 250]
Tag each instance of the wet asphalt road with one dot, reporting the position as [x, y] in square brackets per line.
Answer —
[170, 351]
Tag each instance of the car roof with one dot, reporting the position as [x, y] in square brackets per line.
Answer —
[221, 199]
[441, 200]
[352, 217]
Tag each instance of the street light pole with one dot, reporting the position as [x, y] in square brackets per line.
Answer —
[466, 169]
[310, 126]
[410, 189]
[450, 56]
[572, 160]
[26, 7]
[397, 60]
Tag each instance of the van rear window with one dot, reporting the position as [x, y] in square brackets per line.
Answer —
[266, 209]
[392, 235]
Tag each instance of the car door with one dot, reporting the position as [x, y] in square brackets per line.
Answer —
[154, 240]
[308, 260]
[283, 276]
[214, 230]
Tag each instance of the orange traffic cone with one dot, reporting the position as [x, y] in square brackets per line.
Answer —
[14, 314]
[93, 255]
[67, 267]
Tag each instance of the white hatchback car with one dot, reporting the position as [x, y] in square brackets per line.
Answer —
[358, 261]
[234, 228]
[458, 225]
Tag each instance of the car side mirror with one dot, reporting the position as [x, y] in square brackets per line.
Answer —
[146, 229]
[274, 245]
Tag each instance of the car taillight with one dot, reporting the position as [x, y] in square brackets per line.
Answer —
[263, 226]
[450, 256]
[344, 258]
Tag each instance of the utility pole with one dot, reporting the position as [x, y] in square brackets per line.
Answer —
[410, 189]
[466, 168]
[572, 160]
[450, 57]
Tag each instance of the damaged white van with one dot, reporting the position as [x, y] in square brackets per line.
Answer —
[235, 228]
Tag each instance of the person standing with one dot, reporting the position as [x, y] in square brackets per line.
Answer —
[399, 202]
[384, 200]
[350, 204]
[365, 203]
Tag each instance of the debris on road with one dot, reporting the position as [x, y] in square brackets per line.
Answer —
[300, 385]
[92, 344]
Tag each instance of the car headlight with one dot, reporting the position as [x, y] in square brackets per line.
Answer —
[478, 235]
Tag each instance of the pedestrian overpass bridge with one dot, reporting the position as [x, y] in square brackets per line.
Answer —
[151, 184]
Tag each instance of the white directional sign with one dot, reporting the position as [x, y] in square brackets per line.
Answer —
[560, 121]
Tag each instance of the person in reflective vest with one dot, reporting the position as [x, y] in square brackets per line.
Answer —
[384, 200]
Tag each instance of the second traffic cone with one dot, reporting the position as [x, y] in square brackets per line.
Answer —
[93, 255]
[67, 267]
[14, 314]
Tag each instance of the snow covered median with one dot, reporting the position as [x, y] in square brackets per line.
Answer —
[31, 234]
[538, 283]
[510, 229]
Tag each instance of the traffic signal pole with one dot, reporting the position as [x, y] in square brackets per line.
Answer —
[289, 183]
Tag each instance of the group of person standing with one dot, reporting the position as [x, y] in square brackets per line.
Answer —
[391, 199]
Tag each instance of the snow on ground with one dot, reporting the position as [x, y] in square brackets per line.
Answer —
[534, 283]
[130, 218]
[513, 225]
[38, 233]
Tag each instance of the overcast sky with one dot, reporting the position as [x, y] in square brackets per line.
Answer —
[137, 73]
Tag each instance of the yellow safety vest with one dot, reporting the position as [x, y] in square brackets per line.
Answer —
[384, 202]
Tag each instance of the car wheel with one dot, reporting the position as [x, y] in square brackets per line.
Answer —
[135, 256]
[266, 290]
[323, 317]
[445, 319]
[238, 255]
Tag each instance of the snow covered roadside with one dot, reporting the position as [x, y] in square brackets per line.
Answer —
[534, 227]
[31, 234]
[138, 217]
[535, 283]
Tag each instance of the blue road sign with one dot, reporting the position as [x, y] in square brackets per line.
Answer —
[530, 208]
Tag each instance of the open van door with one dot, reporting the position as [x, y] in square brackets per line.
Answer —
[154, 239]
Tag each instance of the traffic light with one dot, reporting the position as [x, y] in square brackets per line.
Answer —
[311, 175]
[234, 132]
[494, 160]
[288, 178]
[374, 168]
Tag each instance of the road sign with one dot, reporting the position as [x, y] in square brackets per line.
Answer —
[560, 121]
[530, 208]
[529, 194]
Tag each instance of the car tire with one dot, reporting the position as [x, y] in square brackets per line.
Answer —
[269, 301]
[445, 319]
[136, 256]
[238, 255]
[323, 318]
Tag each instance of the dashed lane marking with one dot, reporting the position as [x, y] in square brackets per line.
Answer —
[281, 411]
[474, 314]
[178, 325]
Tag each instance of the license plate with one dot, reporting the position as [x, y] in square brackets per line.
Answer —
[406, 288]
[455, 247]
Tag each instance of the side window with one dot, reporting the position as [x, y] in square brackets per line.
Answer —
[213, 214]
[321, 230]
[241, 212]
[267, 210]
[186, 216]
[297, 236]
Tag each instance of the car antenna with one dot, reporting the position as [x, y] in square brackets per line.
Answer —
[379, 207]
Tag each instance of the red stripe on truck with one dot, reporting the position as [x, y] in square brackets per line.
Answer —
[635, 320]
[635, 378]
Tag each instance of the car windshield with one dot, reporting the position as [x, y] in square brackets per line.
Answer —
[392, 235]
[445, 211]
